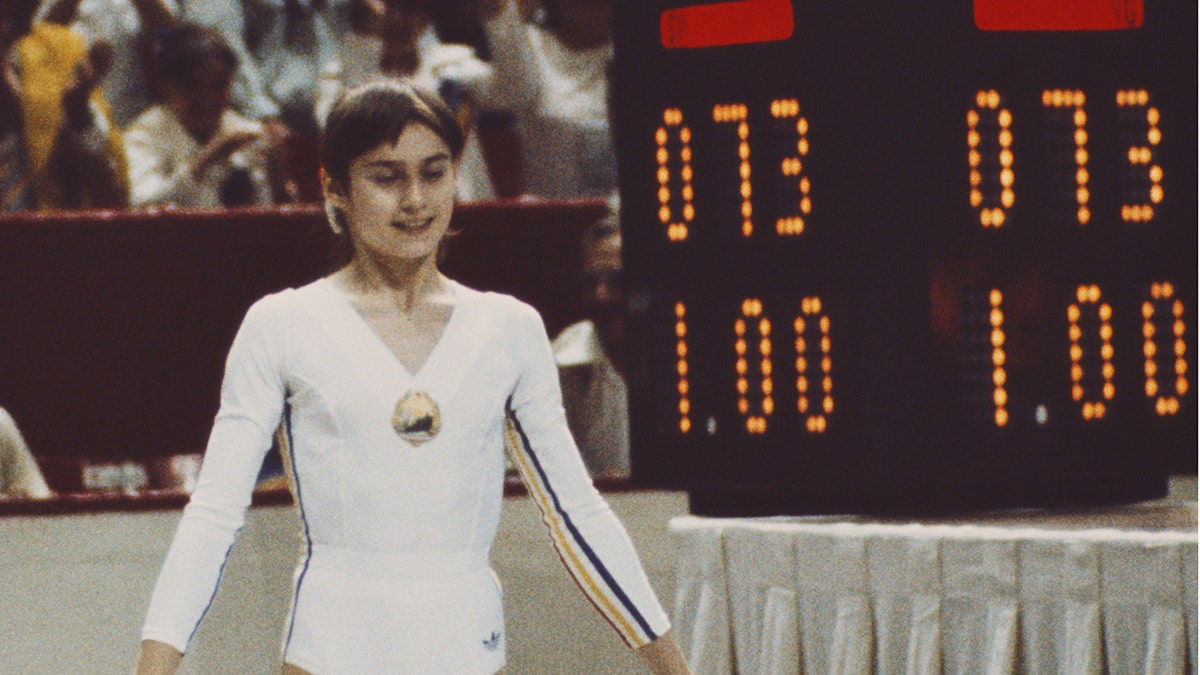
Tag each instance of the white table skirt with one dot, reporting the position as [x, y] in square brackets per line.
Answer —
[785, 596]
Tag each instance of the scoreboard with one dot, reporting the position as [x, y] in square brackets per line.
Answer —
[917, 256]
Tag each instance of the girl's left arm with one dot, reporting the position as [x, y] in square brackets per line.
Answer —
[587, 536]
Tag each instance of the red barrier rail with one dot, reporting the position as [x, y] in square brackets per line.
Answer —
[114, 325]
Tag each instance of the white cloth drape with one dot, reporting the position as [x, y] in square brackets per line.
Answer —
[760, 564]
[701, 609]
[818, 595]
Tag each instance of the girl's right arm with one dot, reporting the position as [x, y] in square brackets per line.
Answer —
[252, 399]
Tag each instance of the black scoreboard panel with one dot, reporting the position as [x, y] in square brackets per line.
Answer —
[909, 256]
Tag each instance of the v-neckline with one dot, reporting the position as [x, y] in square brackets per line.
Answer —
[364, 325]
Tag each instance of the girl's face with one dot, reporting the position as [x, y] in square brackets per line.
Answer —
[400, 196]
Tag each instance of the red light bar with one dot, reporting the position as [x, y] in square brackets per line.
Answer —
[1062, 15]
[726, 23]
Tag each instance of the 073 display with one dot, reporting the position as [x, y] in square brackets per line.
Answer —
[920, 256]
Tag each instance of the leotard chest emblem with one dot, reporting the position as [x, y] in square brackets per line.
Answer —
[417, 418]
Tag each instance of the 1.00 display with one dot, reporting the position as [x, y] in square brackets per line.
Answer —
[992, 188]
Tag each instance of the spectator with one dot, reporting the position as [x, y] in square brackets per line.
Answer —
[590, 357]
[123, 24]
[191, 149]
[287, 51]
[19, 472]
[293, 45]
[561, 85]
[283, 48]
[58, 146]
[397, 38]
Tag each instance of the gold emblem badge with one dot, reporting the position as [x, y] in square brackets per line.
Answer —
[417, 418]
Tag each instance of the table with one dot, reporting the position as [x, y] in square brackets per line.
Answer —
[1108, 590]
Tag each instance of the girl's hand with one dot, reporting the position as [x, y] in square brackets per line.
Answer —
[665, 657]
[157, 658]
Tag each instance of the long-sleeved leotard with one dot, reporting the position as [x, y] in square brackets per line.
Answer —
[394, 575]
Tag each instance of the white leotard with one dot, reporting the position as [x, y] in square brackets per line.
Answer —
[395, 575]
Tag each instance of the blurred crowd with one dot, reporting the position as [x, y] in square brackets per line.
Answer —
[120, 104]
[211, 103]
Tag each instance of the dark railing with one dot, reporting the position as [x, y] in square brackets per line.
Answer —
[114, 325]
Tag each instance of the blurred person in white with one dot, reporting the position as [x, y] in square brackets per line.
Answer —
[287, 52]
[591, 355]
[283, 48]
[191, 148]
[562, 97]
[19, 472]
[397, 38]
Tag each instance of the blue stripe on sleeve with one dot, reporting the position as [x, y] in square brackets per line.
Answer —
[290, 455]
[583, 545]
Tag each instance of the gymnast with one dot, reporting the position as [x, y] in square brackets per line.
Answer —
[394, 393]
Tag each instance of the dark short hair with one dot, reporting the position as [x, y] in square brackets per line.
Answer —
[174, 53]
[366, 117]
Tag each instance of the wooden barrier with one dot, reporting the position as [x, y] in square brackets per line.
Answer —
[114, 325]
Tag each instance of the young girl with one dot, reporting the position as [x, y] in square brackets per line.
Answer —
[396, 391]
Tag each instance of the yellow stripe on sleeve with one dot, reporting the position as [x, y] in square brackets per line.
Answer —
[564, 545]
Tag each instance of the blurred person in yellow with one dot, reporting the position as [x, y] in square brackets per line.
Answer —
[54, 123]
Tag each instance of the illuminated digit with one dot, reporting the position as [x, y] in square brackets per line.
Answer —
[1093, 401]
[681, 368]
[790, 124]
[752, 321]
[677, 220]
[984, 352]
[992, 215]
[1072, 101]
[999, 358]
[1169, 310]
[736, 113]
[812, 327]
[1136, 111]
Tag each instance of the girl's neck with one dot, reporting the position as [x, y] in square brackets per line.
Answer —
[408, 283]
